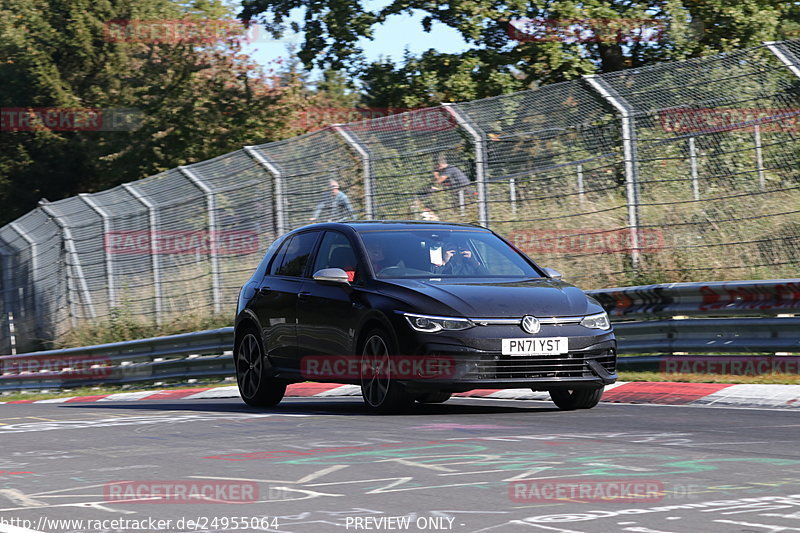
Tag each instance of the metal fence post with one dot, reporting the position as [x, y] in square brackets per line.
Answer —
[75, 259]
[153, 217]
[369, 209]
[280, 212]
[34, 272]
[762, 183]
[693, 165]
[110, 281]
[8, 298]
[211, 207]
[480, 159]
[631, 159]
[581, 190]
[784, 58]
[512, 195]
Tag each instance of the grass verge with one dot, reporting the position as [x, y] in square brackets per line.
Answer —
[106, 389]
[765, 379]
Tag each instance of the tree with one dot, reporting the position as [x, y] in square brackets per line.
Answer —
[573, 38]
[191, 95]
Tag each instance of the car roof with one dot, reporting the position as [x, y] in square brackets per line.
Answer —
[394, 225]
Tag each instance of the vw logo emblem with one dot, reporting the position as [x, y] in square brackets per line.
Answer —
[531, 324]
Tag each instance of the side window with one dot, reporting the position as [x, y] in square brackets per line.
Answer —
[291, 261]
[336, 252]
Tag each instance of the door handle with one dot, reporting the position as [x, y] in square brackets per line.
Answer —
[264, 290]
[303, 296]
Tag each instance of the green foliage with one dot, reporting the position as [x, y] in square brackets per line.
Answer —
[123, 324]
[497, 63]
[196, 98]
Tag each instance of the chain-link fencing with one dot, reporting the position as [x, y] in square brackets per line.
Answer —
[683, 171]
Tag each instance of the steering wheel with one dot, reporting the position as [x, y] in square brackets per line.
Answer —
[392, 270]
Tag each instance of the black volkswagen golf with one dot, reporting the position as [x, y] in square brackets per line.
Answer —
[415, 311]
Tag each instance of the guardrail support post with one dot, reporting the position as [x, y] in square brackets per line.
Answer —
[279, 201]
[94, 206]
[631, 159]
[480, 159]
[75, 258]
[153, 217]
[369, 207]
[211, 207]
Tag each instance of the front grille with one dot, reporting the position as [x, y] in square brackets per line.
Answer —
[572, 365]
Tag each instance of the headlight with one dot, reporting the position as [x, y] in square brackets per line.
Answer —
[599, 321]
[432, 324]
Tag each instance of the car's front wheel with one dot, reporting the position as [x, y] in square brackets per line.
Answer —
[381, 392]
[256, 388]
[568, 400]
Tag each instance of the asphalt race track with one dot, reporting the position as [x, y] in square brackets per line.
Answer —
[324, 464]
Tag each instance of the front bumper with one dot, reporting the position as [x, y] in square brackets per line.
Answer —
[468, 369]
[473, 360]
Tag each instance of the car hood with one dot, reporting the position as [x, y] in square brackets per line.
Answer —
[478, 299]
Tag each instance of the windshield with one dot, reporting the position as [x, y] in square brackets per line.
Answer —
[447, 253]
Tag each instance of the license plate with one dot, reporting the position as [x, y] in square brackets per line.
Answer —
[535, 346]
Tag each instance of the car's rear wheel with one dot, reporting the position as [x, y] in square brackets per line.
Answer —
[434, 397]
[576, 399]
[256, 388]
[381, 392]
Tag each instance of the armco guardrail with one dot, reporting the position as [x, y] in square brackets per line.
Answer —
[744, 317]
[730, 298]
[202, 354]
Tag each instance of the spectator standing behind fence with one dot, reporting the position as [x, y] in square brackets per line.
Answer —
[451, 179]
[334, 205]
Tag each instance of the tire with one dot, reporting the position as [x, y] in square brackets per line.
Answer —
[381, 393]
[255, 388]
[434, 397]
[567, 400]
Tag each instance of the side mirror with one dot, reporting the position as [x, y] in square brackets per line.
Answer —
[552, 273]
[333, 275]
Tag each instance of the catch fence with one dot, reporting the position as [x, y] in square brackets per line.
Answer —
[681, 171]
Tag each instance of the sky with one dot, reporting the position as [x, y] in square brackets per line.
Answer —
[392, 38]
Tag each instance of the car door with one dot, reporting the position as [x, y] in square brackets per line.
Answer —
[328, 313]
[276, 301]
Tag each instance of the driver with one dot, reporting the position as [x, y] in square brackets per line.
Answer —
[458, 260]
